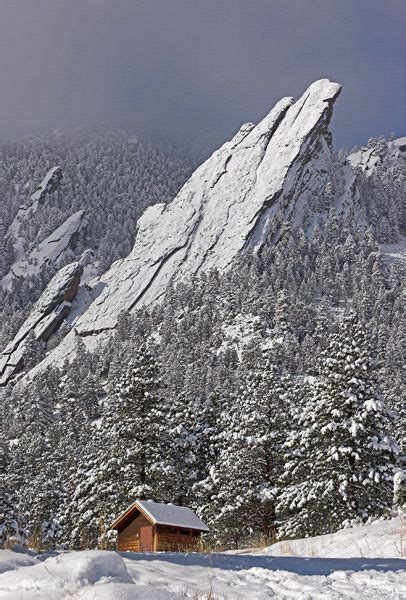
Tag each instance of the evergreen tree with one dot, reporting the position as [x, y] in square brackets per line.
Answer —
[135, 419]
[249, 464]
[126, 457]
[339, 468]
[13, 530]
[32, 470]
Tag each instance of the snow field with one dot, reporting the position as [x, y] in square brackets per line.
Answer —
[365, 567]
[100, 575]
[246, 577]
[382, 539]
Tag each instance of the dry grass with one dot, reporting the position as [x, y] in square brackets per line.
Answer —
[402, 534]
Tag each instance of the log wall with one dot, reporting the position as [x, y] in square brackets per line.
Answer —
[129, 538]
[171, 539]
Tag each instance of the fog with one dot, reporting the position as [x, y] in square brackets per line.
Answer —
[191, 69]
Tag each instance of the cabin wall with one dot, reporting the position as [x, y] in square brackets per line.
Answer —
[176, 539]
[129, 537]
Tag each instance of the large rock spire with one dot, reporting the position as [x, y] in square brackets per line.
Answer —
[265, 174]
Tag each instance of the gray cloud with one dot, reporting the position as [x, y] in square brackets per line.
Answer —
[191, 68]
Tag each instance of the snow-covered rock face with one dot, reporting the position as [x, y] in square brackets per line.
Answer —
[265, 173]
[226, 204]
[369, 159]
[48, 313]
[48, 185]
[55, 248]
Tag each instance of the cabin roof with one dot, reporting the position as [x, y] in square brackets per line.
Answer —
[162, 514]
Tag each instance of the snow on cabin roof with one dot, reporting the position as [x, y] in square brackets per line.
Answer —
[165, 514]
[170, 514]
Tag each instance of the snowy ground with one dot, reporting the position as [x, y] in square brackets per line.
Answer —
[98, 575]
[383, 539]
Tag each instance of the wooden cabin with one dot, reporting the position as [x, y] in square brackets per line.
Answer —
[148, 526]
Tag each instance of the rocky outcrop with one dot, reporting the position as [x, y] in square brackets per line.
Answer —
[227, 204]
[265, 174]
[48, 313]
[368, 160]
[48, 185]
[56, 248]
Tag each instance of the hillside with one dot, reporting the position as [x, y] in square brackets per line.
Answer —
[281, 171]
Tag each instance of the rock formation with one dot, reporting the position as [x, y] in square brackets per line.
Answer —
[45, 318]
[51, 251]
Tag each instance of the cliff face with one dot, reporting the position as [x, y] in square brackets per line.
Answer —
[264, 175]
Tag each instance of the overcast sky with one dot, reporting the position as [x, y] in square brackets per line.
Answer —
[198, 68]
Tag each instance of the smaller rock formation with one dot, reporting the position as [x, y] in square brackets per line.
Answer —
[47, 315]
[56, 247]
[49, 184]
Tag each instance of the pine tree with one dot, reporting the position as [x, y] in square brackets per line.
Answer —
[32, 470]
[339, 467]
[245, 476]
[194, 427]
[135, 419]
[13, 529]
[126, 457]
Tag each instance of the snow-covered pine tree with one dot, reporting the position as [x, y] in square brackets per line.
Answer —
[339, 468]
[193, 430]
[129, 462]
[12, 524]
[32, 471]
[399, 483]
[136, 420]
[88, 494]
[78, 445]
[245, 477]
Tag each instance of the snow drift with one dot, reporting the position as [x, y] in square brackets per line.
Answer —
[383, 539]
